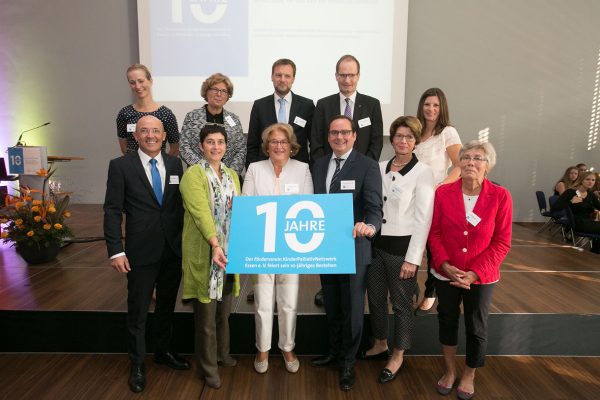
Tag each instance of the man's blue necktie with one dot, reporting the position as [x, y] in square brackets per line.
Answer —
[156, 184]
[281, 114]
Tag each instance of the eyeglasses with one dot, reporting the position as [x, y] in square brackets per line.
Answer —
[407, 138]
[344, 76]
[282, 143]
[146, 131]
[476, 160]
[344, 133]
[224, 92]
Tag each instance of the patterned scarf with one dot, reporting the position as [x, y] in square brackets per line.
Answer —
[221, 195]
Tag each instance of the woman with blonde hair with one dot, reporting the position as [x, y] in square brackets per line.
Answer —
[278, 175]
[140, 82]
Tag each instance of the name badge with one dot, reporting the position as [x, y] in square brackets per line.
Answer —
[396, 192]
[291, 188]
[300, 122]
[473, 219]
[347, 185]
[230, 121]
[364, 122]
[173, 180]
[130, 127]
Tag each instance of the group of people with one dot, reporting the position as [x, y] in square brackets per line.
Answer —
[432, 195]
[579, 190]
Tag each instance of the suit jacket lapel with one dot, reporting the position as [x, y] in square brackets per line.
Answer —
[272, 115]
[293, 109]
[346, 171]
[167, 189]
[357, 115]
[141, 173]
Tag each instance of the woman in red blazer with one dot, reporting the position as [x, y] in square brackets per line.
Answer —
[470, 236]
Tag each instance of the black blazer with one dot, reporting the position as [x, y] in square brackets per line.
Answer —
[369, 139]
[366, 196]
[263, 115]
[148, 226]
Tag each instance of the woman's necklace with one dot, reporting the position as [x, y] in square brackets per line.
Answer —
[400, 165]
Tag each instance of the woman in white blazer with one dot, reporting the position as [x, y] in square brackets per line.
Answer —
[278, 175]
[408, 193]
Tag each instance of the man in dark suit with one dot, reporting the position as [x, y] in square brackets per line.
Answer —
[283, 106]
[364, 110]
[145, 185]
[348, 171]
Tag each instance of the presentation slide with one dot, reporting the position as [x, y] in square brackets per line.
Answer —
[184, 41]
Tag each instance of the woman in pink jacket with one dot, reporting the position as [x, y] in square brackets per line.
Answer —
[470, 236]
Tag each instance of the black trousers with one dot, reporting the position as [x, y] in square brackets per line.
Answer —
[344, 296]
[165, 275]
[430, 282]
[476, 304]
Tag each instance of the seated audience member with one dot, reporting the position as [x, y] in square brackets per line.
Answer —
[470, 236]
[278, 175]
[567, 180]
[582, 167]
[207, 190]
[581, 200]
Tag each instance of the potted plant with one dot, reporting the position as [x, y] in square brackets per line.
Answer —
[36, 226]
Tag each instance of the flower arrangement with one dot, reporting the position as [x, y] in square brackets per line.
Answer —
[32, 222]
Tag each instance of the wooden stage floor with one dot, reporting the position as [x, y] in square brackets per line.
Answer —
[541, 274]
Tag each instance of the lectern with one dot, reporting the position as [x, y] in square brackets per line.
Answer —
[27, 161]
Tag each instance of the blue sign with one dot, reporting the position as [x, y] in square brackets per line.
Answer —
[303, 234]
[16, 162]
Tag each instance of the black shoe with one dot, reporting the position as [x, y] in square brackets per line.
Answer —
[419, 312]
[324, 361]
[384, 355]
[250, 296]
[319, 300]
[387, 376]
[137, 378]
[346, 378]
[172, 360]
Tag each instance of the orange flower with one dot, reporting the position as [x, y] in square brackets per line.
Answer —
[47, 226]
[4, 235]
[19, 204]
[30, 233]
[51, 209]
[67, 214]
[35, 208]
[42, 172]
[36, 202]
[18, 221]
[37, 218]
[57, 226]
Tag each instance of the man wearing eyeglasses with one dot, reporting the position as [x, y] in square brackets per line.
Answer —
[284, 106]
[348, 171]
[364, 110]
[145, 184]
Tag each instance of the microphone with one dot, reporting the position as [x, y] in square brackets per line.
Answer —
[19, 143]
